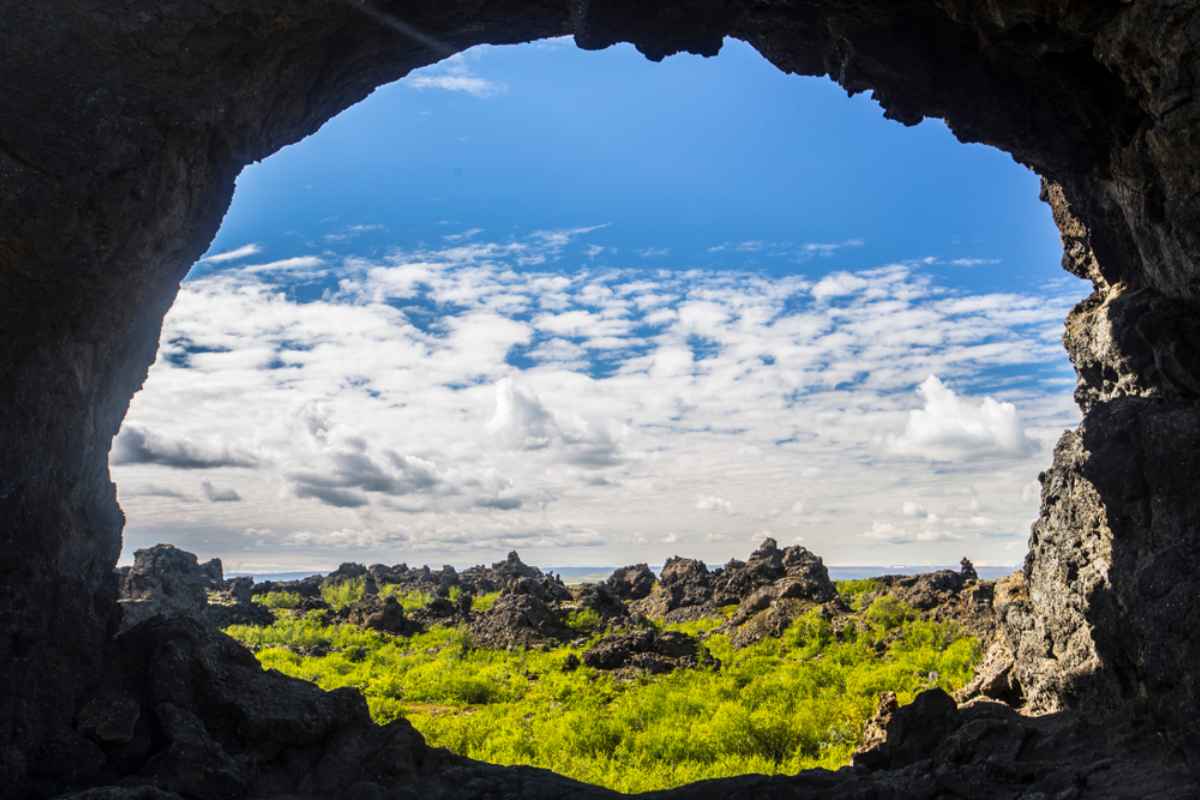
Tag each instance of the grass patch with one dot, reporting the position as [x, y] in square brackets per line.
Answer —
[779, 706]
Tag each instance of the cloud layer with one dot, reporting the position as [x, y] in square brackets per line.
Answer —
[446, 403]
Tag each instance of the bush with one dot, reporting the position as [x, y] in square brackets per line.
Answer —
[888, 613]
[341, 594]
[585, 620]
[854, 591]
[484, 602]
[409, 599]
[277, 600]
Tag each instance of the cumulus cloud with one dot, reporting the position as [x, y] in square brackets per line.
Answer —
[951, 427]
[470, 84]
[351, 473]
[889, 533]
[217, 494]
[707, 502]
[522, 422]
[137, 445]
[455, 75]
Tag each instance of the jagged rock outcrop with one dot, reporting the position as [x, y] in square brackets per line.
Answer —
[804, 571]
[385, 616]
[519, 620]
[600, 598]
[632, 582]
[122, 129]
[945, 595]
[648, 650]
[684, 591]
[168, 581]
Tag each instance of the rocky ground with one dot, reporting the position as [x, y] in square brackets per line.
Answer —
[204, 724]
[758, 597]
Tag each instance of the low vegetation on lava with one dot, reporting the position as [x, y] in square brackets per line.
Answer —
[636, 683]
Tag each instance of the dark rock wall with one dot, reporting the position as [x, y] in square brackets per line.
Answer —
[124, 125]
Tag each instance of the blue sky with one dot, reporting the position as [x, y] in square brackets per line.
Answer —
[602, 310]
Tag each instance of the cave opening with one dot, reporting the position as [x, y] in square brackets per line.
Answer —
[598, 311]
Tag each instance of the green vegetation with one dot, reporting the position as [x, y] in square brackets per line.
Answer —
[888, 613]
[779, 706]
[409, 599]
[341, 594]
[854, 591]
[585, 620]
[279, 600]
[484, 602]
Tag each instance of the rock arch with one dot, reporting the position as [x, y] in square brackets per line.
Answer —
[123, 127]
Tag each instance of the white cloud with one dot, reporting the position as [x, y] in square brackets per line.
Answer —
[838, 284]
[245, 251]
[954, 428]
[217, 494]
[827, 249]
[713, 503]
[469, 233]
[891, 534]
[285, 264]
[520, 421]
[470, 84]
[351, 232]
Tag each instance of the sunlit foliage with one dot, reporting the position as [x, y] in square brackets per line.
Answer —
[779, 706]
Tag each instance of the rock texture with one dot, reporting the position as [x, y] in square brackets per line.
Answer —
[122, 128]
[650, 650]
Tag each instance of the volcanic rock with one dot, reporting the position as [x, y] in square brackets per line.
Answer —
[768, 564]
[385, 616]
[169, 581]
[631, 583]
[599, 597]
[684, 591]
[649, 649]
[519, 620]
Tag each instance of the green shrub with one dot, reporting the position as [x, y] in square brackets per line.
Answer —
[585, 620]
[854, 591]
[277, 600]
[484, 602]
[409, 599]
[341, 594]
[888, 613]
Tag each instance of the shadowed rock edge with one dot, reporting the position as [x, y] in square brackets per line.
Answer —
[122, 129]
